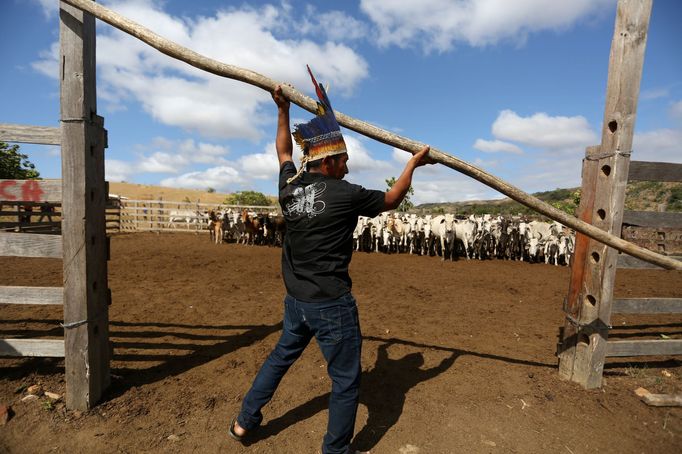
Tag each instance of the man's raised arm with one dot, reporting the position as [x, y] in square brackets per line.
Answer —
[283, 140]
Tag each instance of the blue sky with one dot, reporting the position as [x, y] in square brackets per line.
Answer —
[515, 87]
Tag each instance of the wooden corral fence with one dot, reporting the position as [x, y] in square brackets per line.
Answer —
[18, 215]
[584, 344]
[82, 245]
[128, 215]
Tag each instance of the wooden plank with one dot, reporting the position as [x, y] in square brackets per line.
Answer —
[31, 295]
[663, 400]
[42, 135]
[32, 347]
[655, 171]
[647, 306]
[30, 245]
[31, 190]
[658, 347]
[86, 316]
[669, 220]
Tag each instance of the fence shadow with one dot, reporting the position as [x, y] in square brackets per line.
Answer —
[189, 346]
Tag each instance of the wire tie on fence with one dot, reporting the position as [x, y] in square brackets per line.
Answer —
[596, 324]
[575, 322]
[597, 157]
[72, 325]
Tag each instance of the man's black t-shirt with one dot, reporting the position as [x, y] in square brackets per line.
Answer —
[321, 213]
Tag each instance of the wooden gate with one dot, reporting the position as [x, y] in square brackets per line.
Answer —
[584, 344]
[83, 244]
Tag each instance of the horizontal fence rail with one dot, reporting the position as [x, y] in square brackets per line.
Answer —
[644, 347]
[647, 306]
[42, 135]
[32, 347]
[30, 245]
[31, 295]
[30, 191]
[670, 220]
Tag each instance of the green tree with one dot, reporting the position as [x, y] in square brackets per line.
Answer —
[15, 165]
[569, 205]
[254, 198]
[406, 204]
[210, 190]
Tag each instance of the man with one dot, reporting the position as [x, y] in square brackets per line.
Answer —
[321, 212]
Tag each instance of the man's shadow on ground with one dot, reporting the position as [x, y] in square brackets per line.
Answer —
[385, 388]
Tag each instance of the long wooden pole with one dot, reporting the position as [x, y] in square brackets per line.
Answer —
[197, 60]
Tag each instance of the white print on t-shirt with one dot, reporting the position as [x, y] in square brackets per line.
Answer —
[305, 200]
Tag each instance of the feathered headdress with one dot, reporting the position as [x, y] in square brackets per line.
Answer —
[321, 136]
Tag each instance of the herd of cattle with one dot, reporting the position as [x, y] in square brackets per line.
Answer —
[446, 236]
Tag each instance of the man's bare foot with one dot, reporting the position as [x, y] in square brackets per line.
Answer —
[235, 430]
[238, 429]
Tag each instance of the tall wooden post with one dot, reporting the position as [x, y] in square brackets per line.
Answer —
[605, 174]
[83, 139]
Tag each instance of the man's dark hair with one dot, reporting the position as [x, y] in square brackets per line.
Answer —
[313, 165]
[318, 162]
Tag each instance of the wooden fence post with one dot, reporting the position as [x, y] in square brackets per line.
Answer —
[588, 305]
[83, 139]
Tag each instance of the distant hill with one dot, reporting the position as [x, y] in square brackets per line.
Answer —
[640, 196]
[149, 192]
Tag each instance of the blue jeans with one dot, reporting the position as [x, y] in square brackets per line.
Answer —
[336, 328]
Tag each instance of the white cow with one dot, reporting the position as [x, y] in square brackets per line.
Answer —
[363, 224]
[377, 226]
[465, 231]
[188, 216]
[442, 228]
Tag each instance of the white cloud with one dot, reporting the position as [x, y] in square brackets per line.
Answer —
[400, 156]
[48, 64]
[448, 186]
[335, 25]
[174, 156]
[116, 170]
[495, 146]
[261, 39]
[543, 131]
[359, 158]
[222, 178]
[658, 145]
[655, 93]
[439, 24]
[676, 110]
[160, 162]
[261, 166]
[49, 7]
[547, 173]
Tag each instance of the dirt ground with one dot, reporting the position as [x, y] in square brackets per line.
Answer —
[458, 357]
